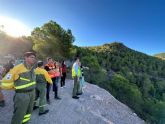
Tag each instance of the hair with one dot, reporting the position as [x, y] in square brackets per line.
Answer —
[40, 63]
[62, 63]
[77, 57]
[27, 54]
[49, 58]
[12, 60]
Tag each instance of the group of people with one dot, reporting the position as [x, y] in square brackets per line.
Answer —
[31, 83]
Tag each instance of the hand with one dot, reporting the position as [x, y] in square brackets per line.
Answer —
[87, 68]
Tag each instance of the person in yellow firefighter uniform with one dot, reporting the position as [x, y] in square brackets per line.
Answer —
[42, 77]
[22, 79]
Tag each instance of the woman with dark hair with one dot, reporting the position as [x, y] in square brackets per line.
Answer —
[63, 76]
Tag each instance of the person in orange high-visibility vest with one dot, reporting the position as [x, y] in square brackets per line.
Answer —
[56, 81]
[22, 79]
[50, 67]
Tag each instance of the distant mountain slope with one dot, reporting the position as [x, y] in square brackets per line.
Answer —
[160, 55]
[95, 106]
[134, 78]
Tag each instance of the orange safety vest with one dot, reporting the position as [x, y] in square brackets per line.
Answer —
[51, 67]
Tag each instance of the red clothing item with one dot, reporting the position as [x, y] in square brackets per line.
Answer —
[63, 68]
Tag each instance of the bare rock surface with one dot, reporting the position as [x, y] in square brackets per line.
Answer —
[95, 106]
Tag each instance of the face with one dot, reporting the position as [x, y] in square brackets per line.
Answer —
[50, 61]
[57, 64]
[42, 67]
[13, 62]
[79, 63]
[77, 60]
[30, 60]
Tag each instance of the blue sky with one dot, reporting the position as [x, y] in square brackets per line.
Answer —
[139, 24]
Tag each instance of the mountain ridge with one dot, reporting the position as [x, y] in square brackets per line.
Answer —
[160, 55]
[133, 77]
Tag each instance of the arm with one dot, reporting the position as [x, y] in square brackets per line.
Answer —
[84, 67]
[47, 77]
[8, 81]
[60, 69]
[49, 70]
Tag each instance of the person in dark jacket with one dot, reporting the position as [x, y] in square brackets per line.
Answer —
[63, 76]
[2, 101]
[6, 68]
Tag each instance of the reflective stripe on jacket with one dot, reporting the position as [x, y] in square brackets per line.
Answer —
[19, 78]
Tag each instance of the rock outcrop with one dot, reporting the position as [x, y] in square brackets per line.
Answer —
[95, 106]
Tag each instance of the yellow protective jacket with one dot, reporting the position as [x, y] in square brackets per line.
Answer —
[42, 76]
[74, 72]
[19, 78]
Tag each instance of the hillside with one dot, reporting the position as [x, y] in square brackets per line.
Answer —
[134, 78]
[160, 55]
[96, 106]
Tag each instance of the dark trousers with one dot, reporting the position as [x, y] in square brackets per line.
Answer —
[2, 102]
[63, 79]
[48, 87]
[1, 96]
[55, 86]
